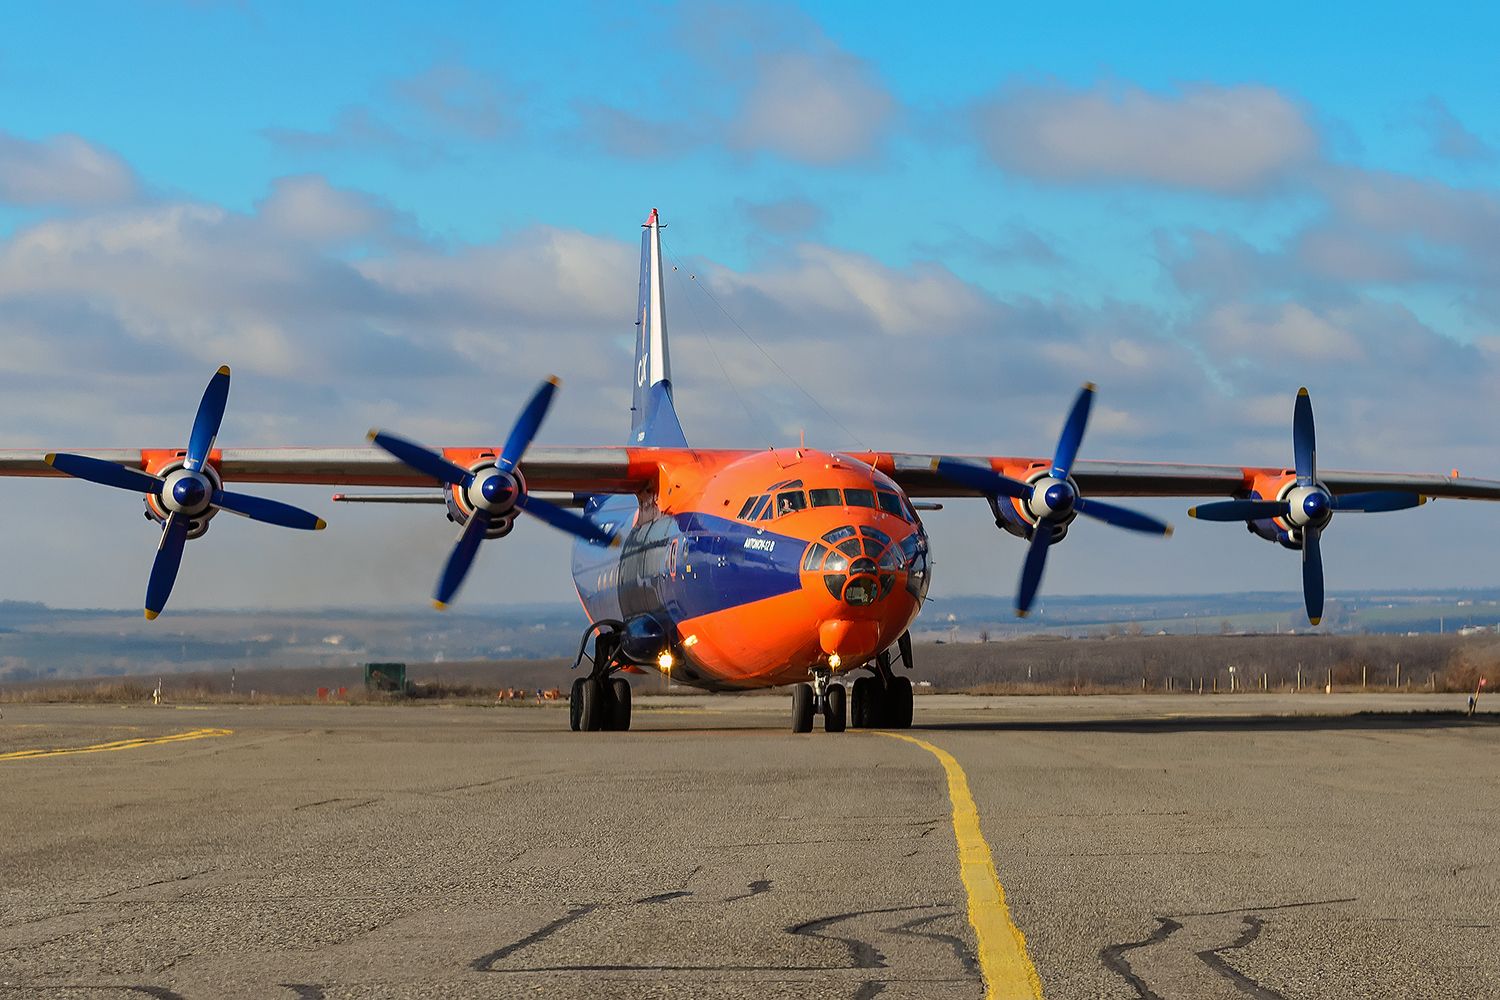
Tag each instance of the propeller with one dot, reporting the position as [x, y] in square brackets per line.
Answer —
[492, 492]
[1052, 500]
[1308, 506]
[187, 493]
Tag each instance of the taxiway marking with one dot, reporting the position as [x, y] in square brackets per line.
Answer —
[1003, 960]
[145, 741]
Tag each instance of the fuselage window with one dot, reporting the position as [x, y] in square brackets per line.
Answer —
[745, 510]
[859, 498]
[790, 503]
[891, 504]
[825, 498]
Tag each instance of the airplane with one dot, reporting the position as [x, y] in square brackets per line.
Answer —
[735, 569]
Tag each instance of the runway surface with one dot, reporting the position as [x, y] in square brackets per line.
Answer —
[1148, 847]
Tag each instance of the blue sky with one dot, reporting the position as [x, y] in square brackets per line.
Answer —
[945, 218]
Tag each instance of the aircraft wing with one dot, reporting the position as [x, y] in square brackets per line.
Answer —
[917, 474]
[584, 470]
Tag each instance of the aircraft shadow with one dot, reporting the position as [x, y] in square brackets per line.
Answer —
[1204, 723]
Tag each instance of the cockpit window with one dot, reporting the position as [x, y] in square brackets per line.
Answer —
[891, 504]
[761, 502]
[875, 533]
[859, 498]
[745, 510]
[825, 498]
[790, 503]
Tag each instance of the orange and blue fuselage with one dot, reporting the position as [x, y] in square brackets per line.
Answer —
[760, 570]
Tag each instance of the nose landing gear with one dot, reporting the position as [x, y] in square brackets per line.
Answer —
[821, 697]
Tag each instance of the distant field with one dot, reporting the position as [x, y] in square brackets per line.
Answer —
[1039, 665]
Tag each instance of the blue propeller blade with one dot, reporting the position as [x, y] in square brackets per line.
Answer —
[1378, 501]
[1304, 440]
[981, 479]
[206, 423]
[420, 458]
[1120, 517]
[1239, 510]
[461, 558]
[1312, 574]
[269, 511]
[568, 521]
[1072, 433]
[106, 473]
[1031, 570]
[164, 569]
[526, 425]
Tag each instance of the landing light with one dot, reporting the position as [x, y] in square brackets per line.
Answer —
[665, 661]
[834, 661]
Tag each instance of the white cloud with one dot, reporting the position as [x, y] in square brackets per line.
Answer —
[62, 170]
[1288, 331]
[1223, 140]
[821, 107]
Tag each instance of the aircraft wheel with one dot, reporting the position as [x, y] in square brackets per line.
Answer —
[802, 708]
[619, 705]
[833, 712]
[864, 703]
[898, 703]
[592, 707]
[575, 705]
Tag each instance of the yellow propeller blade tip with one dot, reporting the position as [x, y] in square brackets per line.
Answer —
[440, 605]
[1091, 387]
[151, 615]
[1302, 391]
[1316, 621]
[554, 380]
[320, 525]
[1021, 614]
[223, 369]
[1192, 512]
[372, 434]
[50, 457]
[1168, 532]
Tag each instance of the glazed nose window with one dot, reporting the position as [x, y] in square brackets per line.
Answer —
[855, 563]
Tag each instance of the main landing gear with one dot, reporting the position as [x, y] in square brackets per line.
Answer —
[600, 700]
[883, 701]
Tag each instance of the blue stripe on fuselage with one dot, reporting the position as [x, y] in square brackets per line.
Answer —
[682, 566]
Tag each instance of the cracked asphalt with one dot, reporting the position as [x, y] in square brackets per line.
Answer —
[1150, 847]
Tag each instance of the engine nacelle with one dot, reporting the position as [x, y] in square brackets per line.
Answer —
[197, 519]
[498, 492]
[1020, 517]
[1309, 505]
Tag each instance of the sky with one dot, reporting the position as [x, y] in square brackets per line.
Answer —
[939, 219]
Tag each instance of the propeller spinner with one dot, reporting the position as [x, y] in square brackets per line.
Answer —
[1051, 500]
[189, 492]
[491, 492]
[1308, 506]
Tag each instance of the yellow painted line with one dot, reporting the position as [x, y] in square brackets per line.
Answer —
[145, 741]
[1007, 969]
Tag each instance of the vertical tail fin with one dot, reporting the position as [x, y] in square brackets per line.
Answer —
[653, 420]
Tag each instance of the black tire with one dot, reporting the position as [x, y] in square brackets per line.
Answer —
[859, 703]
[898, 703]
[593, 708]
[869, 699]
[802, 708]
[833, 712]
[575, 705]
[619, 705]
